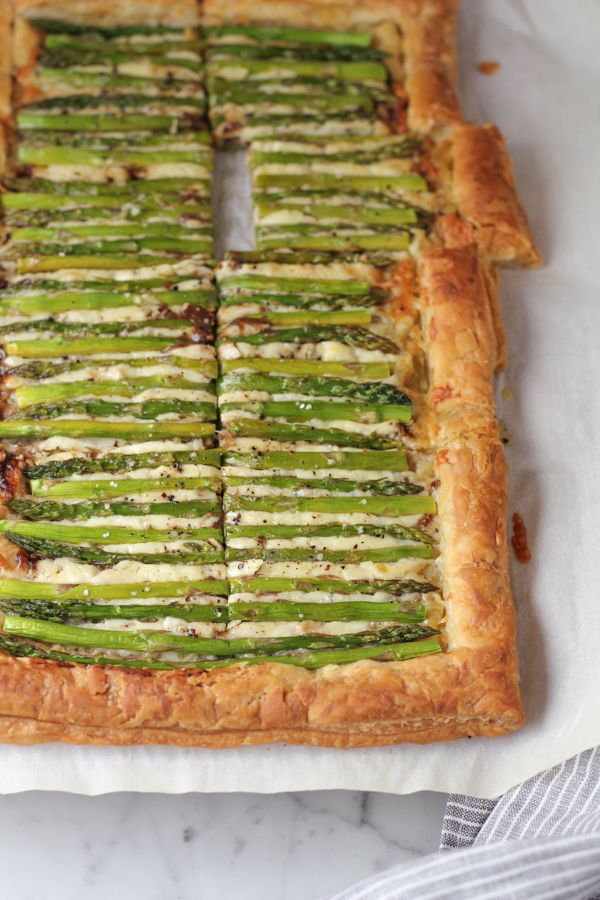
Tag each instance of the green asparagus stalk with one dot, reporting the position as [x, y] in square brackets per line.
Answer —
[30, 264]
[273, 284]
[291, 554]
[65, 301]
[363, 215]
[306, 410]
[370, 391]
[352, 611]
[306, 101]
[354, 337]
[52, 511]
[108, 83]
[360, 155]
[75, 534]
[106, 488]
[135, 230]
[44, 369]
[310, 660]
[32, 395]
[339, 183]
[351, 317]
[310, 367]
[78, 156]
[374, 506]
[308, 36]
[324, 242]
[328, 585]
[122, 462]
[282, 431]
[44, 549]
[12, 589]
[88, 346]
[360, 72]
[149, 409]
[42, 121]
[377, 460]
[333, 485]
[155, 641]
[84, 612]
[138, 190]
[302, 301]
[87, 428]
[269, 531]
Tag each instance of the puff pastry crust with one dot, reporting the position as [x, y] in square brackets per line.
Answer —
[472, 689]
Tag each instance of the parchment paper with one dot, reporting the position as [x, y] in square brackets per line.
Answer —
[545, 99]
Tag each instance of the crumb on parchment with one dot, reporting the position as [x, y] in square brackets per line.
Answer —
[488, 67]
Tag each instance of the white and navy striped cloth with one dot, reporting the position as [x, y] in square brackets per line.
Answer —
[539, 841]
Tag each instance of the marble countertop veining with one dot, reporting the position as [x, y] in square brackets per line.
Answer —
[297, 846]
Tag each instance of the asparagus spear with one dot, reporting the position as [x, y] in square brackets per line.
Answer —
[88, 428]
[339, 183]
[311, 660]
[136, 230]
[302, 301]
[333, 485]
[74, 534]
[307, 101]
[49, 155]
[105, 488]
[309, 36]
[109, 83]
[381, 555]
[50, 393]
[363, 215]
[88, 346]
[258, 282]
[323, 242]
[354, 337]
[149, 409]
[44, 369]
[90, 55]
[310, 367]
[373, 506]
[131, 190]
[306, 410]
[379, 460]
[122, 462]
[352, 611]
[97, 45]
[328, 585]
[372, 391]
[65, 301]
[30, 264]
[94, 329]
[283, 431]
[321, 52]
[269, 531]
[381, 153]
[84, 612]
[156, 641]
[67, 593]
[361, 71]
[43, 121]
[52, 511]
[44, 549]
[360, 317]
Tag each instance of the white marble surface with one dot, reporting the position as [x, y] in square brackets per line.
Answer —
[59, 846]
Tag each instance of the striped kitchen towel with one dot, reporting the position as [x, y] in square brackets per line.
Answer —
[540, 841]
